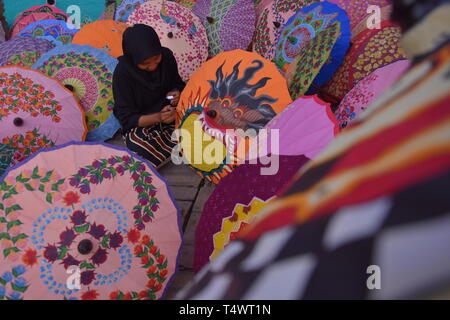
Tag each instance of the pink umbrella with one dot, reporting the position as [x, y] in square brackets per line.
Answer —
[36, 112]
[102, 224]
[304, 127]
[368, 90]
[178, 29]
[34, 14]
[272, 15]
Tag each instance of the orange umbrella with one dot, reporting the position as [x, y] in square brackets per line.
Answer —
[102, 34]
[234, 90]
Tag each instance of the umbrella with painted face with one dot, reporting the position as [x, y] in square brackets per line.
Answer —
[304, 26]
[230, 24]
[88, 72]
[36, 112]
[178, 29]
[103, 214]
[102, 34]
[368, 90]
[36, 13]
[234, 90]
[370, 50]
[23, 51]
[271, 18]
[56, 31]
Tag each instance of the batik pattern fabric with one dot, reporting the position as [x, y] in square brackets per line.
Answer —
[154, 143]
[23, 51]
[353, 209]
[371, 50]
[56, 31]
[104, 195]
[89, 71]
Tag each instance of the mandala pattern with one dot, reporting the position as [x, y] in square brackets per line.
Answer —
[371, 50]
[19, 93]
[90, 77]
[310, 60]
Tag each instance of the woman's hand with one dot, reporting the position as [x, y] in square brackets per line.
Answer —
[167, 114]
[176, 97]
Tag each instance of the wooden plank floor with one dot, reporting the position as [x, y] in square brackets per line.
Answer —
[190, 193]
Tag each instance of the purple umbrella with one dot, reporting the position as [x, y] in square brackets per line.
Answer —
[23, 51]
[238, 198]
[229, 23]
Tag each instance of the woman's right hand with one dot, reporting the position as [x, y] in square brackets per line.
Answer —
[167, 114]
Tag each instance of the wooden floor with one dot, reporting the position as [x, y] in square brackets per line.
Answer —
[190, 192]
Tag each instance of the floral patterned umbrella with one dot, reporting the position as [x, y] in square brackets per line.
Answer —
[88, 72]
[230, 24]
[272, 15]
[236, 200]
[102, 34]
[190, 4]
[370, 50]
[310, 61]
[23, 51]
[125, 8]
[36, 112]
[234, 90]
[102, 224]
[303, 26]
[56, 31]
[34, 14]
[6, 157]
[368, 90]
[178, 29]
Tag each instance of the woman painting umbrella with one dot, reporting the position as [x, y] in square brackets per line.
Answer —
[146, 87]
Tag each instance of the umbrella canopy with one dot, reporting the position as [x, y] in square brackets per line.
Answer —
[102, 34]
[271, 17]
[178, 29]
[368, 90]
[190, 4]
[6, 157]
[88, 72]
[56, 31]
[37, 112]
[102, 212]
[303, 26]
[234, 90]
[235, 202]
[109, 12]
[311, 60]
[370, 50]
[23, 51]
[230, 24]
[125, 8]
[34, 14]
[357, 9]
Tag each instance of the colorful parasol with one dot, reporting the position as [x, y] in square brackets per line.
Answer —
[234, 90]
[125, 8]
[370, 50]
[36, 13]
[23, 51]
[109, 12]
[56, 31]
[310, 62]
[6, 157]
[303, 26]
[88, 72]
[102, 34]
[102, 224]
[230, 24]
[37, 112]
[357, 9]
[271, 16]
[190, 4]
[368, 90]
[235, 202]
[179, 30]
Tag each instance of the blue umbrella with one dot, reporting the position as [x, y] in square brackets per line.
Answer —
[88, 72]
[56, 31]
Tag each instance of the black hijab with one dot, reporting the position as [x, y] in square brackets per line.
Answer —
[138, 92]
